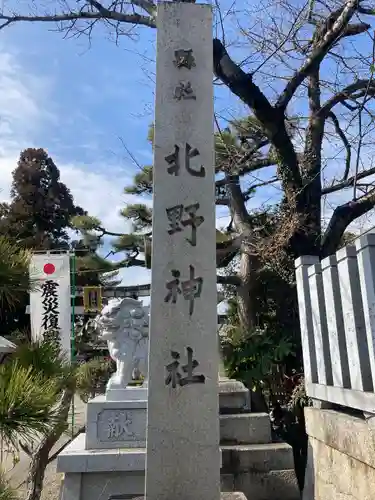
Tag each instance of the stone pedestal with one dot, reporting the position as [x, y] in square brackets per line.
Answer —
[108, 461]
[119, 423]
[131, 393]
[101, 474]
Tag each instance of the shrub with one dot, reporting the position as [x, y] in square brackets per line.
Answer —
[92, 377]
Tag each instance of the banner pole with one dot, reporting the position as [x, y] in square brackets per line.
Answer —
[72, 338]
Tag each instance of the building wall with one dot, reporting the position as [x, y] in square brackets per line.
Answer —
[341, 456]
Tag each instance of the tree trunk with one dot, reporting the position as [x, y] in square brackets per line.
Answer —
[246, 274]
[36, 473]
[245, 295]
[309, 199]
[258, 401]
[40, 457]
[306, 239]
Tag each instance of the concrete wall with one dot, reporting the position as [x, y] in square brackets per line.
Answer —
[341, 460]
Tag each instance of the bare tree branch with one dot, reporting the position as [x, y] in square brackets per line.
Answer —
[256, 165]
[100, 13]
[283, 42]
[107, 233]
[241, 168]
[322, 45]
[222, 201]
[345, 141]
[352, 91]
[273, 121]
[361, 132]
[341, 218]
[238, 208]
[63, 446]
[315, 129]
[247, 193]
[249, 154]
[227, 250]
[146, 5]
[365, 10]
[348, 182]
[355, 29]
[228, 280]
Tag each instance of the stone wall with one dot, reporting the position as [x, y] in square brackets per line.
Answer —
[341, 456]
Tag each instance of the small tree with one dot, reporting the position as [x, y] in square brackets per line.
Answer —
[36, 390]
[14, 273]
[41, 205]
[92, 269]
[27, 409]
[27, 401]
[92, 377]
[36, 383]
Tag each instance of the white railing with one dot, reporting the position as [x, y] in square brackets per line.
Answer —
[337, 315]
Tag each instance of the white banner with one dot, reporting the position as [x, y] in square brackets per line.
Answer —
[50, 302]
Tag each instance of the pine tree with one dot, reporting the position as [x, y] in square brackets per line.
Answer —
[41, 206]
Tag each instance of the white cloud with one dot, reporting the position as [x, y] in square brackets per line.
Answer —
[22, 96]
[101, 194]
[22, 113]
[24, 99]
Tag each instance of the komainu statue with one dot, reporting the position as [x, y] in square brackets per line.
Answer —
[124, 324]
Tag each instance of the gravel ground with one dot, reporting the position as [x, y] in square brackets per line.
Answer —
[52, 483]
[51, 486]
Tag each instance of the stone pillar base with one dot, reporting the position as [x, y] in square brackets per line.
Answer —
[233, 396]
[107, 474]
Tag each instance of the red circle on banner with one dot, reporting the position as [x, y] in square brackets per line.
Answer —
[49, 268]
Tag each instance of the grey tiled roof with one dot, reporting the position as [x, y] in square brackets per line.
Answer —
[6, 345]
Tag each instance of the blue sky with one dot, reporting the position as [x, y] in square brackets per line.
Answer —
[77, 100]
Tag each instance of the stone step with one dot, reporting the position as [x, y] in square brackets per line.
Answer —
[232, 495]
[245, 428]
[257, 457]
[272, 485]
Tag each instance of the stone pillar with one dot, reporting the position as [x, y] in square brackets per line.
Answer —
[365, 246]
[354, 320]
[320, 330]
[183, 457]
[335, 322]
[302, 265]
